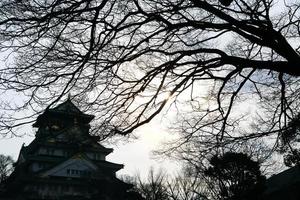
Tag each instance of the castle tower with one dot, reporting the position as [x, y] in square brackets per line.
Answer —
[65, 162]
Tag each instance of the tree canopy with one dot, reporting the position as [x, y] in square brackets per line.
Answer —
[159, 186]
[289, 142]
[127, 61]
[235, 176]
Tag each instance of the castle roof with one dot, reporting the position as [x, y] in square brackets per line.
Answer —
[65, 155]
[66, 110]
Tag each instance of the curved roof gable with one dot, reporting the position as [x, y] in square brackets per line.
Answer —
[66, 108]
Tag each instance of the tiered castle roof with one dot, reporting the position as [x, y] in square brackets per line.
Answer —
[64, 160]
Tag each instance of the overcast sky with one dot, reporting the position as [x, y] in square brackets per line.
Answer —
[136, 155]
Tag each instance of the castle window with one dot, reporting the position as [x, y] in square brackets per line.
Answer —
[55, 127]
[41, 165]
[66, 153]
[50, 151]
[79, 172]
[98, 156]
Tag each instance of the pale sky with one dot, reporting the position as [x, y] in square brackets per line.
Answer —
[135, 155]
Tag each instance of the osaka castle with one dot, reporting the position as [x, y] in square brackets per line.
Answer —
[65, 162]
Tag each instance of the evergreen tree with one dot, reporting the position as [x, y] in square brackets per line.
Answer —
[235, 176]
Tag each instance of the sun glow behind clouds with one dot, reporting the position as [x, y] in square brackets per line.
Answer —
[137, 156]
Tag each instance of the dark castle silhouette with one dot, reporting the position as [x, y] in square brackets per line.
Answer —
[65, 162]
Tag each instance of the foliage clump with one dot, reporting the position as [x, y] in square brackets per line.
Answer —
[236, 176]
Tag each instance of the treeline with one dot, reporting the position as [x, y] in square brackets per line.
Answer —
[231, 176]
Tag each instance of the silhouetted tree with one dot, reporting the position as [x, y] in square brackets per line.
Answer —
[187, 187]
[6, 167]
[289, 142]
[292, 158]
[131, 59]
[235, 176]
[154, 187]
[159, 186]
